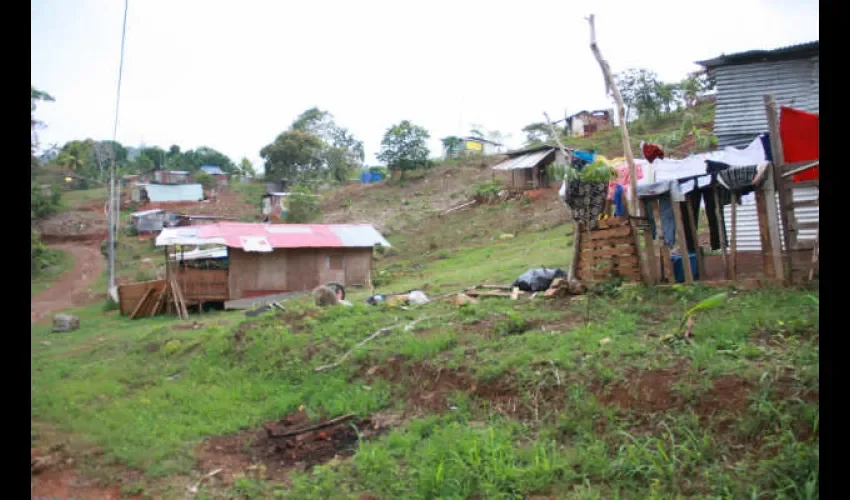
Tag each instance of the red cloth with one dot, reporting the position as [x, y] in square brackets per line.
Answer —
[652, 152]
[799, 133]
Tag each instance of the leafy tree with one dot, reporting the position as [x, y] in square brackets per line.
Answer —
[204, 179]
[695, 86]
[452, 144]
[405, 147]
[343, 152]
[639, 88]
[537, 133]
[246, 168]
[36, 95]
[295, 155]
[208, 156]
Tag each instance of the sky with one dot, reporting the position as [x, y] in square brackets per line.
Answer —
[233, 75]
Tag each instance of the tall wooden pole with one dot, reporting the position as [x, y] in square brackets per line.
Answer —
[611, 88]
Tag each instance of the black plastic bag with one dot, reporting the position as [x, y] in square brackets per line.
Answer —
[538, 280]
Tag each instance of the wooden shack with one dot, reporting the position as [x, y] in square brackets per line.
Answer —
[256, 260]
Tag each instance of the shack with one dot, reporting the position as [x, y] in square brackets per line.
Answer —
[165, 193]
[526, 169]
[791, 76]
[148, 221]
[267, 259]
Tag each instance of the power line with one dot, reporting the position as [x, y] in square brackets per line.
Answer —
[114, 198]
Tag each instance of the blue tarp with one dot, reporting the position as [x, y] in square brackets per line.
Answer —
[370, 177]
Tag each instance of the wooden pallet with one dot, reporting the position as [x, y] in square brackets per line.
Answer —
[607, 252]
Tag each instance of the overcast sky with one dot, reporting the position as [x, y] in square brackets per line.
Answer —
[233, 74]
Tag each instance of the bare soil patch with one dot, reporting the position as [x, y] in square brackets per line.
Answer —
[73, 288]
[274, 457]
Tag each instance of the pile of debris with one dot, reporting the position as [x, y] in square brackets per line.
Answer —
[562, 287]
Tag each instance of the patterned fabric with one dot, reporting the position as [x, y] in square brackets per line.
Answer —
[586, 201]
[742, 180]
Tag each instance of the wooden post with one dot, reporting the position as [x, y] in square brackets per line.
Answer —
[769, 192]
[682, 242]
[789, 226]
[611, 88]
[663, 251]
[734, 237]
[718, 210]
[688, 205]
[814, 256]
[576, 250]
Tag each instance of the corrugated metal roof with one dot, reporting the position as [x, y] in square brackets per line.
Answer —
[213, 170]
[146, 212]
[359, 236]
[740, 114]
[525, 161]
[188, 236]
[211, 253]
[747, 226]
[258, 237]
[807, 49]
[173, 192]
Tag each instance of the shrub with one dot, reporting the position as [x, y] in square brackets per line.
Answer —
[302, 206]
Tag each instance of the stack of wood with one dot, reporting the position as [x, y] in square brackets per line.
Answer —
[155, 301]
[561, 287]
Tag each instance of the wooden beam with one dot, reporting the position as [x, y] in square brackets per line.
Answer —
[576, 250]
[789, 232]
[718, 210]
[764, 233]
[663, 251]
[611, 88]
[689, 205]
[141, 303]
[682, 242]
[814, 257]
[734, 241]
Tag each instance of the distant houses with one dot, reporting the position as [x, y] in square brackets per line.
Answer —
[454, 147]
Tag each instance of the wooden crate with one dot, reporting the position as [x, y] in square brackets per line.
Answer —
[607, 252]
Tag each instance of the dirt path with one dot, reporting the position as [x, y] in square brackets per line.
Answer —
[73, 288]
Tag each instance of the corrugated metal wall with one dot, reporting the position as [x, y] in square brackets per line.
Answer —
[748, 239]
[740, 116]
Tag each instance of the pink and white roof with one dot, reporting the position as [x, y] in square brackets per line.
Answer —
[253, 237]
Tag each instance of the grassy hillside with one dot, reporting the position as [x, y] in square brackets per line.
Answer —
[595, 396]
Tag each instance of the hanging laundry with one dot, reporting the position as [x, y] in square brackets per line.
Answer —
[765, 142]
[586, 201]
[742, 180]
[651, 152]
[623, 177]
[619, 201]
[665, 192]
[799, 132]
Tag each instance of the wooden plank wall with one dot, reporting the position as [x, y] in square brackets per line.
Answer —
[608, 251]
[203, 285]
[129, 295]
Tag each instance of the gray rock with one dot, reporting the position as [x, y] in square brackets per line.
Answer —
[65, 323]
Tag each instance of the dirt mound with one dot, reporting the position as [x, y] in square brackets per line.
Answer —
[647, 391]
[426, 387]
[292, 443]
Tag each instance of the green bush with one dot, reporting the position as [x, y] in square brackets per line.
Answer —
[41, 257]
[302, 206]
[487, 189]
[42, 204]
[598, 171]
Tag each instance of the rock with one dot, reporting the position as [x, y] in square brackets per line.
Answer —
[506, 236]
[463, 299]
[604, 341]
[65, 323]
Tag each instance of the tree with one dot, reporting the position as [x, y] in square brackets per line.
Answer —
[405, 147]
[204, 179]
[695, 86]
[452, 144]
[343, 152]
[36, 95]
[537, 133]
[246, 168]
[639, 88]
[295, 156]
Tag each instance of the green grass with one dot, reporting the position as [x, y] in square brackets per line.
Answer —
[501, 399]
[62, 262]
[80, 197]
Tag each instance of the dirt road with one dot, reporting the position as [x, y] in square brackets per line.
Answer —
[73, 288]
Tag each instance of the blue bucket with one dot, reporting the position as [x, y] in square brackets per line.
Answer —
[679, 267]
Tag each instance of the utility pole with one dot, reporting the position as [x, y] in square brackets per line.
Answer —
[113, 199]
